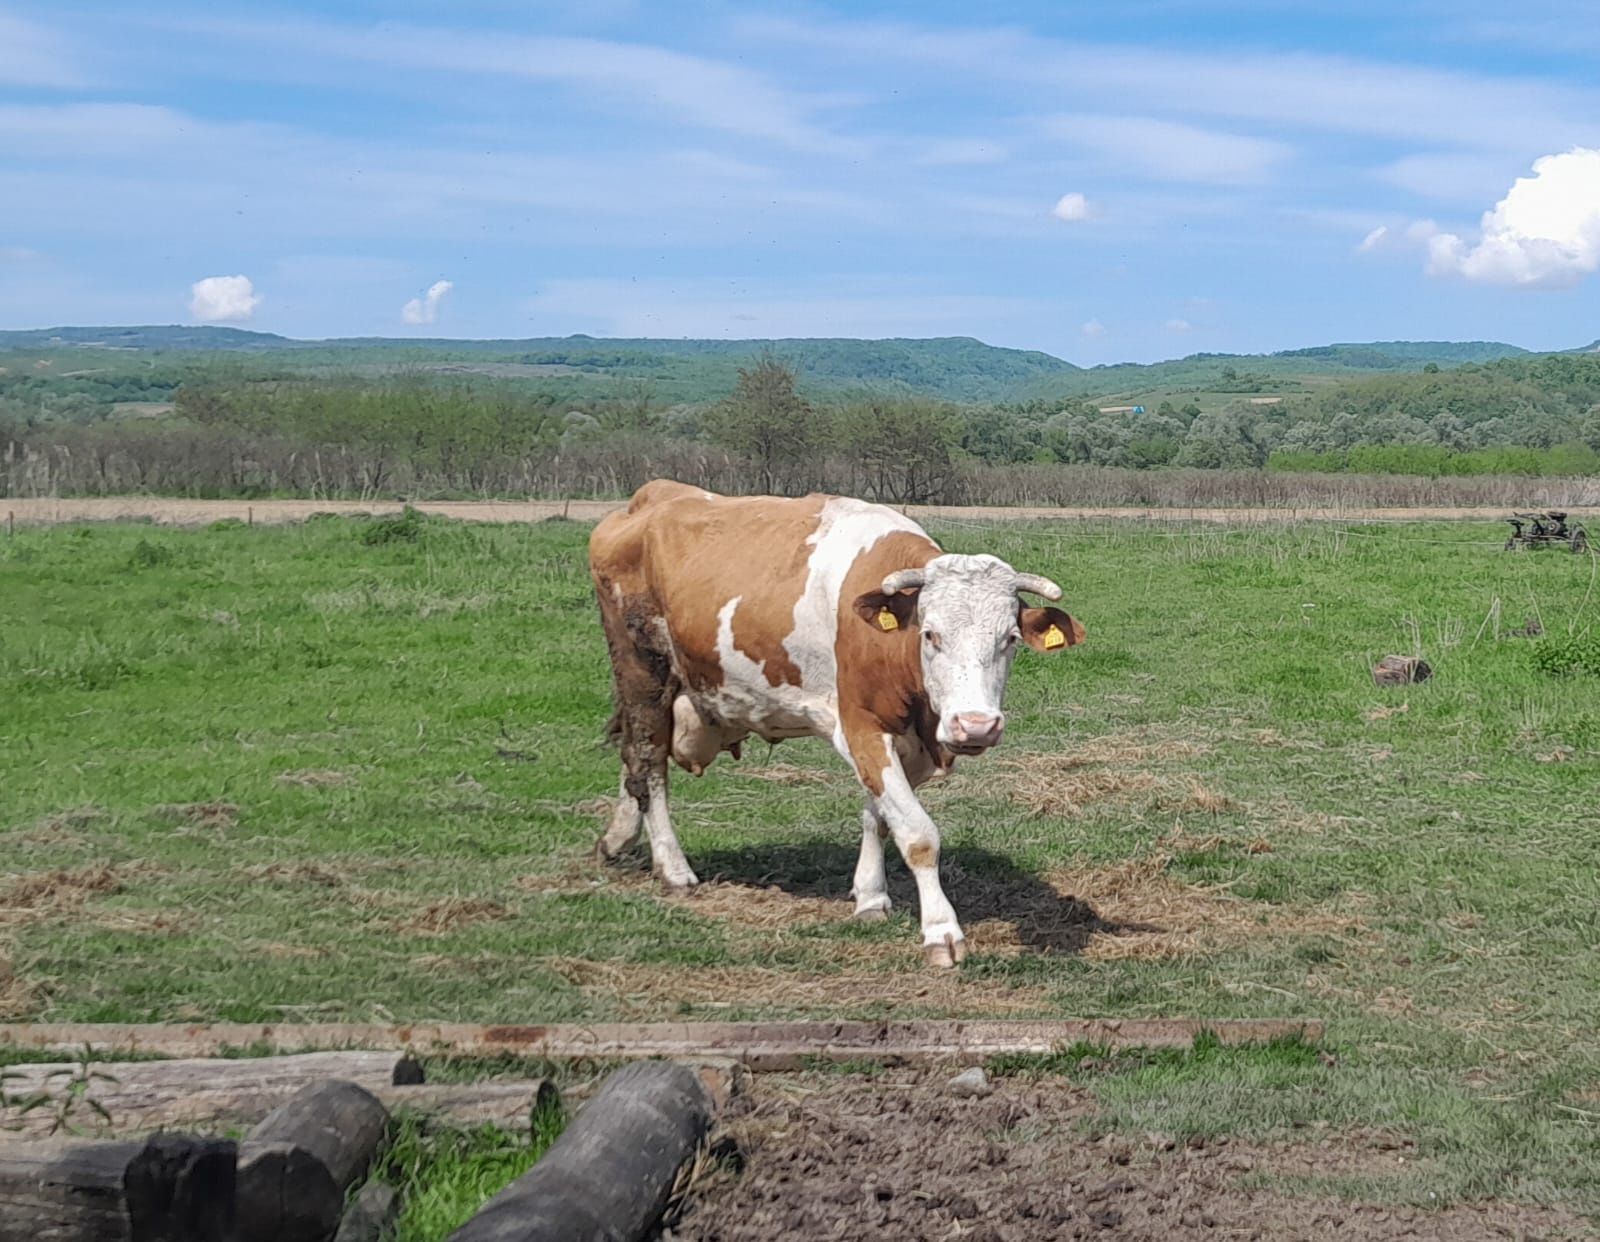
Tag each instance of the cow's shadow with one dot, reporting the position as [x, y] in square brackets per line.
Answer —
[981, 884]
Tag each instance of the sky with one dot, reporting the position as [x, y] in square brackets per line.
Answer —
[1107, 182]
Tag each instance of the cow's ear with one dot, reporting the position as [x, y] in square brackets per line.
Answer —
[1049, 629]
[887, 611]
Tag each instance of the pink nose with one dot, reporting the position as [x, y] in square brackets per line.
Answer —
[976, 728]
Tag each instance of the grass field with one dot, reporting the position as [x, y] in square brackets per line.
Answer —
[353, 769]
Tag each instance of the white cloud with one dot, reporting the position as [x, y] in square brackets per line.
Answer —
[31, 55]
[220, 299]
[1545, 233]
[1178, 325]
[1070, 207]
[1374, 239]
[426, 308]
[1094, 329]
[1170, 150]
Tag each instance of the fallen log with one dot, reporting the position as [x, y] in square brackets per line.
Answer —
[609, 1175]
[510, 1105]
[169, 1188]
[756, 1045]
[147, 1095]
[297, 1163]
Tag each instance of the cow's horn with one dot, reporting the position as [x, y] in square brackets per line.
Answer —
[904, 580]
[1037, 584]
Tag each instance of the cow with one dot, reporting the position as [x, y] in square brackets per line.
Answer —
[819, 616]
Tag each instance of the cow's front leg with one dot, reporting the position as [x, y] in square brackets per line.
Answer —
[871, 888]
[626, 821]
[896, 802]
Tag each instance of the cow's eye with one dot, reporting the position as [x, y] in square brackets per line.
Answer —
[932, 639]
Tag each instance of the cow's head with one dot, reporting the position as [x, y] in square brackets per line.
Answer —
[969, 621]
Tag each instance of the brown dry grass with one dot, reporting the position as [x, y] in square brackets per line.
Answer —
[785, 774]
[315, 778]
[450, 914]
[1043, 785]
[198, 814]
[41, 894]
[652, 989]
[18, 997]
[294, 874]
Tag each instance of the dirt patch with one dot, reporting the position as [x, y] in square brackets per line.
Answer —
[451, 914]
[44, 894]
[897, 1156]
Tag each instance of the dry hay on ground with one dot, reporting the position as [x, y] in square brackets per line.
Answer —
[784, 774]
[38, 895]
[315, 778]
[450, 914]
[899, 984]
[294, 874]
[18, 996]
[198, 814]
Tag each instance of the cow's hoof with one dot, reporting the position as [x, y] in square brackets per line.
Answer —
[677, 883]
[944, 955]
[875, 914]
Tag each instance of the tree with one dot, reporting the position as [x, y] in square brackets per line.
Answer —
[901, 449]
[768, 421]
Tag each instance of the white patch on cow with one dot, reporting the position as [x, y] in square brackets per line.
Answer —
[748, 700]
[918, 838]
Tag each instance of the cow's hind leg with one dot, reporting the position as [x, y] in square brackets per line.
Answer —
[626, 821]
[871, 889]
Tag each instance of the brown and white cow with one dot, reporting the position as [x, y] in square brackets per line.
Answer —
[818, 617]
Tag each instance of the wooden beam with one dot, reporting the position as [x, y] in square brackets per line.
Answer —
[140, 1096]
[756, 1045]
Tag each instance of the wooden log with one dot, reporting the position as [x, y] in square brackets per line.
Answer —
[756, 1045]
[145, 1095]
[169, 1188]
[1397, 670]
[510, 1105]
[296, 1163]
[608, 1176]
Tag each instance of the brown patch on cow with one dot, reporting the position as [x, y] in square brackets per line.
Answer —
[448, 915]
[880, 671]
[899, 986]
[42, 894]
[218, 815]
[315, 778]
[922, 854]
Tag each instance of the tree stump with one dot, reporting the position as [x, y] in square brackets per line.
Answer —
[1397, 670]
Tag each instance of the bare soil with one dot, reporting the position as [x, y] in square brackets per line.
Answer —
[898, 1156]
[46, 510]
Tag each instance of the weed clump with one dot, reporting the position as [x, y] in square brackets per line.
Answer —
[147, 555]
[1565, 656]
[403, 527]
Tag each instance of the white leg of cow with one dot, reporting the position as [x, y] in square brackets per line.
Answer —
[943, 941]
[666, 855]
[871, 889]
[626, 821]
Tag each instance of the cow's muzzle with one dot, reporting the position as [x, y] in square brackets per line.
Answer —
[972, 732]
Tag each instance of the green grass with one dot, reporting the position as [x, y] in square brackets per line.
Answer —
[172, 705]
[445, 1175]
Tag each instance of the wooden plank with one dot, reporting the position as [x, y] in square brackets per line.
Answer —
[169, 1188]
[139, 1096]
[610, 1173]
[509, 1105]
[756, 1045]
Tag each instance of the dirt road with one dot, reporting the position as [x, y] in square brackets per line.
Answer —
[31, 510]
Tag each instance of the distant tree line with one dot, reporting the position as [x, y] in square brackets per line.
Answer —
[234, 433]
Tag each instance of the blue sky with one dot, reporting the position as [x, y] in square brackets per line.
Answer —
[1125, 181]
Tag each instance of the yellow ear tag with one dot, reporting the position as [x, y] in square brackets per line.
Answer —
[1053, 638]
[887, 620]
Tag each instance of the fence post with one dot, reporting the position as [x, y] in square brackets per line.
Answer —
[11, 524]
[250, 515]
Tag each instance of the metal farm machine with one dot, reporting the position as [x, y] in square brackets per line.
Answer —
[1544, 530]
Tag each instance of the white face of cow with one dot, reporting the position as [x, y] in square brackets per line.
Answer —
[970, 623]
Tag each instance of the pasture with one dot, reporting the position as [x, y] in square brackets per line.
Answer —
[354, 768]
